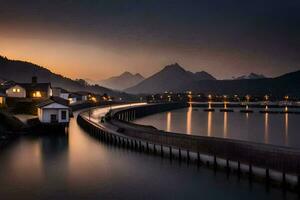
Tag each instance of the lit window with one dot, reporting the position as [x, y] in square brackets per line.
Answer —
[14, 90]
[37, 94]
[18, 90]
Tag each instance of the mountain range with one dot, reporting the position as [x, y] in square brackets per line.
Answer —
[123, 81]
[175, 78]
[171, 77]
[20, 71]
[251, 76]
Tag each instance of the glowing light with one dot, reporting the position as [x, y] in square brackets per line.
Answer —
[209, 105]
[286, 98]
[209, 123]
[266, 136]
[286, 128]
[266, 97]
[225, 124]
[248, 98]
[94, 99]
[37, 94]
[189, 120]
[169, 118]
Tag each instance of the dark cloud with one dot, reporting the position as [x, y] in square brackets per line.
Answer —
[266, 31]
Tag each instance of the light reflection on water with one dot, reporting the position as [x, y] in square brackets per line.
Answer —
[278, 129]
[189, 120]
[77, 166]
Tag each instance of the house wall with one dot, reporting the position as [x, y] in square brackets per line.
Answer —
[72, 100]
[44, 114]
[56, 92]
[50, 92]
[16, 91]
[64, 95]
[2, 101]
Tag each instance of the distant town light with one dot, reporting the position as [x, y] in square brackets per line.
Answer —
[94, 99]
[286, 98]
[266, 97]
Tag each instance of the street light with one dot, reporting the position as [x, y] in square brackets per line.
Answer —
[225, 101]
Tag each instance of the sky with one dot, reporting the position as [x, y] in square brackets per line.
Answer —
[96, 39]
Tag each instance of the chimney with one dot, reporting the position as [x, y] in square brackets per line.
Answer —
[34, 80]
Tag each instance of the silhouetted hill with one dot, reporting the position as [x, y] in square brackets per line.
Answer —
[21, 71]
[175, 78]
[171, 77]
[123, 81]
[251, 76]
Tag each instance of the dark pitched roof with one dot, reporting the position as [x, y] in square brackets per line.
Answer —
[62, 90]
[83, 93]
[35, 86]
[75, 95]
[53, 100]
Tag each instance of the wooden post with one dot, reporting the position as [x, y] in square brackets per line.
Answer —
[170, 150]
[267, 175]
[283, 179]
[154, 149]
[161, 151]
[239, 167]
[140, 145]
[131, 144]
[188, 155]
[250, 171]
[227, 165]
[179, 154]
[215, 162]
[147, 146]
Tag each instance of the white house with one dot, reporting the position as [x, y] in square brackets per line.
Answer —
[16, 91]
[54, 110]
[60, 92]
[33, 90]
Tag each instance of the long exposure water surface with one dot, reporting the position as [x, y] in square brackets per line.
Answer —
[76, 166]
[277, 129]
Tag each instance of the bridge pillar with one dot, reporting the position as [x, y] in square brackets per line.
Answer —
[179, 154]
[170, 151]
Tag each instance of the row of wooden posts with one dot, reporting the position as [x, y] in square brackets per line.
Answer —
[159, 149]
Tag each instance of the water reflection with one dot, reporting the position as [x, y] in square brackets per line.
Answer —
[189, 120]
[277, 129]
[209, 123]
[286, 128]
[169, 118]
[225, 126]
[266, 135]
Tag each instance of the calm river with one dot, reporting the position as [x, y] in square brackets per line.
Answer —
[277, 129]
[76, 166]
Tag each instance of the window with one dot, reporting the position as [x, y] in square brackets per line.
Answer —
[37, 94]
[16, 90]
[63, 115]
